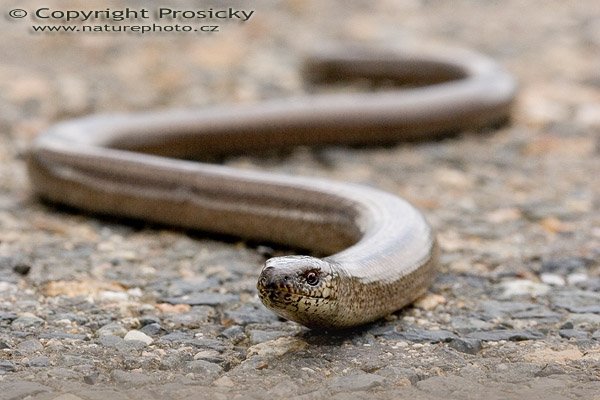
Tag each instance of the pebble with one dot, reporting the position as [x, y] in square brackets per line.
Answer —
[508, 334]
[468, 346]
[522, 287]
[421, 335]
[208, 370]
[260, 336]
[573, 334]
[30, 346]
[565, 266]
[41, 362]
[550, 369]
[132, 378]
[112, 329]
[7, 316]
[207, 299]
[27, 321]
[152, 329]
[577, 301]
[355, 382]
[194, 318]
[552, 279]
[430, 301]
[139, 336]
[250, 314]
[234, 333]
[7, 366]
[596, 335]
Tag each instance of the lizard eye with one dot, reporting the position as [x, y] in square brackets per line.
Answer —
[312, 279]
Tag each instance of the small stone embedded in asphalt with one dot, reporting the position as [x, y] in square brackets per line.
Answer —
[22, 268]
[468, 346]
[7, 366]
[30, 346]
[7, 316]
[577, 301]
[234, 333]
[92, 378]
[567, 325]
[152, 329]
[206, 299]
[194, 318]
[180, 287]
[552, 279]
[207, 369]
[566, 265]
[421, 335]
[355, 382]
[40, 362]
[550, 369]
[131, 378]
[522, 287]
[27, 321]
[112, 329]
[505, 334]
[149, 319]
[250, 314]
[573, 334]
[260, 336]
[138, 336]
[177, 336]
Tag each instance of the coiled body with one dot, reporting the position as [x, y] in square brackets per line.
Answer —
[382, 249]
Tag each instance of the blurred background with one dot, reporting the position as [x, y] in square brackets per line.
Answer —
[510, 205]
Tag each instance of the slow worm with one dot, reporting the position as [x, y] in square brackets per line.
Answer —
[383, 252]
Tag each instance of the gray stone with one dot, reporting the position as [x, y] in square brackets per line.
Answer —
[250, 314]
[134, 379]
[260, 336]
[422, 335]
[138, 336]
[112, 329]
[152, 329]
[7, 316]
[30, 346]
[63, 335]
[110, 341]
[573, 334]
[355, 382]
[176, 336]
[234, 333]
[91, 378]
[41, 361]
[577, 301]
[27, 321]
[17, 389]
[461, 388]
[181, 287]
[468, 346]
[565, 265]
[196, 317]
[550, 369]
[149, 319]
[505, 334]
[7, 366]
[207, 369]
[206, 299]
[596, 335]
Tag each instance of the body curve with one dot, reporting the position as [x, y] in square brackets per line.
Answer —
[382, 250]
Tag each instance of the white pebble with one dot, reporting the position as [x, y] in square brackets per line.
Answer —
[552, 279]
[578, 277]
[139, 336]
